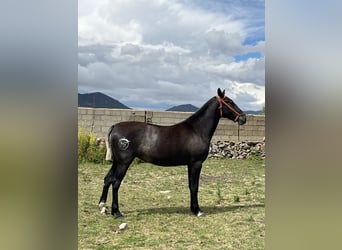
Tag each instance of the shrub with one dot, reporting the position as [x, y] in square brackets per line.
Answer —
[219, 195]
[88, 151]
[236, 198]
[137, 161]
[255, 156]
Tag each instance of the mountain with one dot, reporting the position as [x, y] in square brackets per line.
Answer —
[253, 112]
[99, 100]
[183, 108]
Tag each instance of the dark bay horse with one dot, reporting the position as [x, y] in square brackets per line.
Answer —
[185, 143]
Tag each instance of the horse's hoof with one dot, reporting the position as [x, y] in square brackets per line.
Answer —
[104, 211]
[117, 216]
[103, 208]
[200, 214]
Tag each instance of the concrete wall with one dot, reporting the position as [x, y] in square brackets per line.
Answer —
[98, 121]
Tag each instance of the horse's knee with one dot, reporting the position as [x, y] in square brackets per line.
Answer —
[116, 184]
[193, 186]
[109, 179]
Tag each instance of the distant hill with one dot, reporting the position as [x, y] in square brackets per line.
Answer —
[99, 100]
[253, 112]
[183, 108]
[192, 108]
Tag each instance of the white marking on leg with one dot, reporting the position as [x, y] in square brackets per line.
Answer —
[103, 208]
[200, 214]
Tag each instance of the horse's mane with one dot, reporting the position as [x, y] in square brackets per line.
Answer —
[199, 112]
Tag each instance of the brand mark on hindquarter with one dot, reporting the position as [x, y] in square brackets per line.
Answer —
[123, 143]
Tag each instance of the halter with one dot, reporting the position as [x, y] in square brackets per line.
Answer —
[221, 100]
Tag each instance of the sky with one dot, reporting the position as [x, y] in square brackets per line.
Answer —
[155, 54]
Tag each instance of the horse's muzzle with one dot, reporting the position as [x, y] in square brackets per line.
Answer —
[242, 119]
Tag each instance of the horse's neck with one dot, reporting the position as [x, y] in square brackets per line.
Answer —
[205, 120]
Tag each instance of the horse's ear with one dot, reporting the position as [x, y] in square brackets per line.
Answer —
[220, 93]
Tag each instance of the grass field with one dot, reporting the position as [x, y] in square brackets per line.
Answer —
[155, 203]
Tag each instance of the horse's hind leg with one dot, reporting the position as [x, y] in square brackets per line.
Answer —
[118, 176]
[107, 182]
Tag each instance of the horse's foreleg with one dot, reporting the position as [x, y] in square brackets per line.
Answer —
[194, 171]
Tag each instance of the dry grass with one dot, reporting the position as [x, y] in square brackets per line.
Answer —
[232, 194]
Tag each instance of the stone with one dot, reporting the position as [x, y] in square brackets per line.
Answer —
[123, 226]
[239, 150]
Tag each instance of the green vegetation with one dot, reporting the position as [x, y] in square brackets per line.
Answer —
[88, 151]
[155, 203]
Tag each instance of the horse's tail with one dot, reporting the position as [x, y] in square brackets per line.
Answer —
[109, 152]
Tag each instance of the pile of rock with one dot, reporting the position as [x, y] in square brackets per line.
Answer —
[236, 150]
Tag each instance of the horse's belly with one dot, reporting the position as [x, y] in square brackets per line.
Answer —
[165, 160]
[169, 162]
[172, 158]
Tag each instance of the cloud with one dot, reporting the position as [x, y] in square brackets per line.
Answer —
[251, 70]
[130, 49]
[248, 94]
[160, 53]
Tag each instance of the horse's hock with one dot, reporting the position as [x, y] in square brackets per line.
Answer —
[98, 120]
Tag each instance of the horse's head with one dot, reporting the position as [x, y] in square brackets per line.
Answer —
[229, 109]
